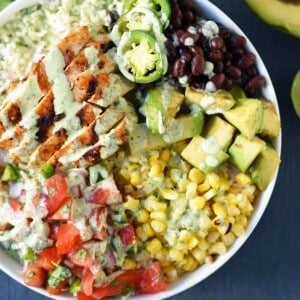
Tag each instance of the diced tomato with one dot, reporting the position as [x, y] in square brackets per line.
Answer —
[48, 258]
[98, 221]
[107, 291]
[129, 277]
[53, 291]
[34, 276]
[80, 257]
[106, 193]
[64, 212]
[67, 237]
[15, 204]
[53, 231]
[151, 280]
[57, 191]
[77, 271]
[127, 235]
[82, 296]
[87, 281]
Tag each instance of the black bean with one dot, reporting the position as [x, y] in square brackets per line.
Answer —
[196, 50]
[198, 84]
[255, 83]
[176, 18]
[185, 54]
[237, 41]
[186, 3]
[233, 72]
[224, 32]
[217, 43]
[228, 84]
[197, 65]
[171, 49]
[218, 80]
[218, 67]
[187, 17]
[178, 69]
[246, 61]
[215, 56]
[251, 71]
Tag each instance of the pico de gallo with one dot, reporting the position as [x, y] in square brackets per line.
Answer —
[72, 232]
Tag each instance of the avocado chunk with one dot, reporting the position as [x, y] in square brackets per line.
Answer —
[211, 103]
[161, 105]
[181, 128]
[237, 92]
[221, 130]
[204, 153]
[271, 122]
[264, 167]
[246, 116]
[10, 173]
[284, 15]
[243, 151]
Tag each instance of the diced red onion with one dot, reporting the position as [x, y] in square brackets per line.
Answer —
[111, 259]
[15, 189]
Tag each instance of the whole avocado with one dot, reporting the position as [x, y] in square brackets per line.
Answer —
[282, 14]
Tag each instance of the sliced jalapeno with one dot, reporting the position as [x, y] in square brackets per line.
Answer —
[160, 7]
[140, 57]
[138, 18]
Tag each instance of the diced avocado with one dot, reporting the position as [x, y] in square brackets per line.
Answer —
[10, 173]
[181, 128]
[75, 286]
[237, 92]
[221, 130]
[283, 15]
[264, 167]
[246, 116]
[243, 151]
[211, 103]
[204, 153]
[59, 274]
[161, 105]
[271, 122]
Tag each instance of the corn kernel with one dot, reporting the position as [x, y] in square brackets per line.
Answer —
[155, 170]
[161, 256]
[154, 156]
[132, 204]
[191, 190]
[135, 179]
[158, 215]
[210, 194]
[152, 204]
[219, 209]
[195, 175]
[242, 219]
[213, 236]
[133, 167]
[224, 185]
[203, 187]
[228, 239]
[176, 254]
[217, 248]
[192, 243]
[154, 246]
[169, 194]
[125, 174]
[203, 244]
[147, 229]
[242, 179]
[237, 229]
[176, 175]
[197, 203]
[129, 264]
[214, 180]
[233, 211]
[165, 154]
[140, 233]
[158, 226]
[190, 264]
[142, 216]
[198, 254]
[171, 273]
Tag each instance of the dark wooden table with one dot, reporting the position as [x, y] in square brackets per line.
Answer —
[267, 266]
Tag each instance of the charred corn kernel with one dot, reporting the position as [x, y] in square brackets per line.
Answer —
[197, 203]
[191, 190]
[198, 254]
[190, 264]
[238, 229]
[165, 154]
[170, 273]
[195, 175]
[132, 204]
[147, 229]
[176, 254]
[219, 209]
[125, 174]
[142, 216]
[155, 170]
[158, 215]
[209, 259]
[135, 179]
[220, 225]
[242, 178]
[141, 234]
[233, 211]
[210, 194]
[192, 243]
[228, 239]
[169, 194]
[158, 226]
[203, 187]
[242, 219]
[154, 246]
[214, 180]
[213, 236]
[217, 248]
[129, 263]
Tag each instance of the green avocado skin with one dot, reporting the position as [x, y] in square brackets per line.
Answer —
[281, 14]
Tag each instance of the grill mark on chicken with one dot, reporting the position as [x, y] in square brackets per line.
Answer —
[14, 114]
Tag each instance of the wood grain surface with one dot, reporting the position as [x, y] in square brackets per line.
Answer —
[267, 266]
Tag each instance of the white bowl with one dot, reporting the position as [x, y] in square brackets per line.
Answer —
[14, 270]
